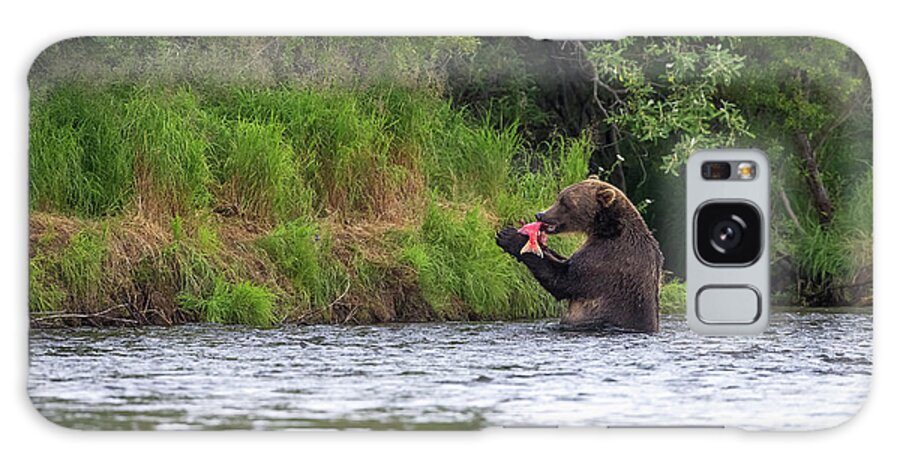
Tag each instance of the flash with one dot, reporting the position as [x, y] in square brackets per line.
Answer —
[746, 170]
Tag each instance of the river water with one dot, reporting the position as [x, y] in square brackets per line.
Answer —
[810, 370]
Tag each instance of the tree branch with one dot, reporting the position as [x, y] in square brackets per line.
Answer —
[100, 315]
[824, 208]
[790, 211]
[596, 77]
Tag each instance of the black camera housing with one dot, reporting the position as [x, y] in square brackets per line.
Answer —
[728, 233]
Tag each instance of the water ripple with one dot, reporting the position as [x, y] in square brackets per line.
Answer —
[809, 370]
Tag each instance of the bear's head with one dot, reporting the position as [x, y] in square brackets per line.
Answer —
[591, 206]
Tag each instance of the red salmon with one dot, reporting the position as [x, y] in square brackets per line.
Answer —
[536, 238]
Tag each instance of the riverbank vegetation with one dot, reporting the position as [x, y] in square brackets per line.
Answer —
[263, 181]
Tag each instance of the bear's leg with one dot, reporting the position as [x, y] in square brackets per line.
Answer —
[553, 275]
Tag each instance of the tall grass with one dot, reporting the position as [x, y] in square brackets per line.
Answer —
[275, 154]
[465, 161]
[80, 267]
[459, 267]
[258, 174]
[240, 303]
[484, 158]
[302, 251]
[78, 163]
[340, 141]
[838, 258]
[535, 182]
[169, 149]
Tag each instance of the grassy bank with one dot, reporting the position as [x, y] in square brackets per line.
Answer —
[268, 205]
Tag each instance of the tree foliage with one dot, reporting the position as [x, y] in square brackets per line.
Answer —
[667, 90]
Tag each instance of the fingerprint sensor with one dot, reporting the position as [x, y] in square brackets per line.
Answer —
[728, 304]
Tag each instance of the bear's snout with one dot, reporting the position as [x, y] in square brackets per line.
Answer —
[539, 216]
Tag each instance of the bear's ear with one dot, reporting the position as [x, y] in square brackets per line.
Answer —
[606, 222]
[606, 197]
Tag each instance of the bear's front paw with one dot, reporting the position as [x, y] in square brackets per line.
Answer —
[511, 240]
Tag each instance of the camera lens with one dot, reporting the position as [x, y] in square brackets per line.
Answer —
[728, 233]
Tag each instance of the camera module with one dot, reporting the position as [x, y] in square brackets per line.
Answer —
[728, 233]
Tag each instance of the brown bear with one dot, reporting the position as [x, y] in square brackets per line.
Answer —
[612, 281]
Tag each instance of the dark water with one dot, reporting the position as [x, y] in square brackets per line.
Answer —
[810, 370]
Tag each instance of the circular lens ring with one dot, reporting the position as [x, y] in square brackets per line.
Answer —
[727, 235]
[743, 244]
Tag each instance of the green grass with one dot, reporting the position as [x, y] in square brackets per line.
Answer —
[673, 297]
[208, 240]
[163, 134]
[302, 252]
[242, 303]
[573, 156]
[458, 266]
[80, 267]
[43, 295]
[483, 157]
[535, 182]
[258, 174]
[277, 154]
[78, 163]
[191, 266]
[838, 257]
[340, 142]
